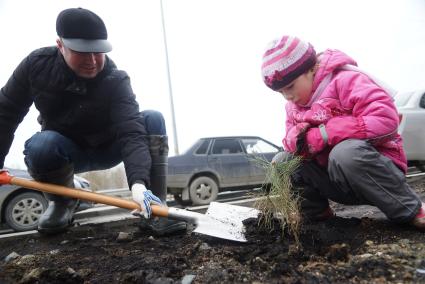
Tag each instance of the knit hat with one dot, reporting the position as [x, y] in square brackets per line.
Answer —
[82, 30]
[285, 60]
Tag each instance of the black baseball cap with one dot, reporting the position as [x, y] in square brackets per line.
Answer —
[82, 30]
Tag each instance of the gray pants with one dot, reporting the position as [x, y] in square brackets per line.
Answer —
[357, 174]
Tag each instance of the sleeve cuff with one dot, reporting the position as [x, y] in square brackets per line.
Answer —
[324, 134]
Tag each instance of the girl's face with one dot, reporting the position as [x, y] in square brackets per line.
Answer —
[299, 90]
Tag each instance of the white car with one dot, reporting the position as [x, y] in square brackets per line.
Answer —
[21, 208]
[411, 108]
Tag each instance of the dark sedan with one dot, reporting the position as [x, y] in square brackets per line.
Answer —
[216, 164]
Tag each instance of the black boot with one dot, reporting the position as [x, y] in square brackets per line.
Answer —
[59, 215]
[158, 147]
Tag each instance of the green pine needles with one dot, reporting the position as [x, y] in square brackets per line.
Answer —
[278, 199]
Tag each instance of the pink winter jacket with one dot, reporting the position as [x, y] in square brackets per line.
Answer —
[350, 105]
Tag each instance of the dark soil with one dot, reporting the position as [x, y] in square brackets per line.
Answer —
[358, 246]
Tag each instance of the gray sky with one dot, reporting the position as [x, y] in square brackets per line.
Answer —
[215, 49]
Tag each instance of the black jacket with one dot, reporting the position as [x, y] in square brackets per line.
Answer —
[91, 112]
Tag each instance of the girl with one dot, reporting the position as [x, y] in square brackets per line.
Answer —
[344, 123]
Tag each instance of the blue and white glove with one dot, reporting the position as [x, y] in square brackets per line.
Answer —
[144, 198]
[280, 157]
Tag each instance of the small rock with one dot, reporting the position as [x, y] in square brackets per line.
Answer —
[64, 242]
[421, 271]
[258, 261]
[27, 259]
[151, 238]
[84, 272]
[369, 243]
[54, 252]
[13, 255]
[204, 246]
[70, 270]
[300, 267]
[188, 278]
[86, 239]
[124, 237]
[33, 275]
[162, 280]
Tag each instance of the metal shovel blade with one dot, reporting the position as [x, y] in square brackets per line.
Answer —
[225, 221]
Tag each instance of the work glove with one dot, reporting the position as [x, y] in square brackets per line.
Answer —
[144, 198]
[312, 141]
[295, 136]
[301, 143]
[279, 158]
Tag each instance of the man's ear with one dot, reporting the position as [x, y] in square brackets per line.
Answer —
[60, 45]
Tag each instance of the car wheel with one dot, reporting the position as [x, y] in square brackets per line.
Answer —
[24, 210]
[179, 200]
[203, 190]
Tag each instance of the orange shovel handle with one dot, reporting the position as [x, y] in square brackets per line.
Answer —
[5, 178]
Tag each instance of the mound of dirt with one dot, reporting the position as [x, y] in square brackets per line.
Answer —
[361, 248]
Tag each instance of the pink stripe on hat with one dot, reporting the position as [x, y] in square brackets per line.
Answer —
[285, 60]
[282, 50]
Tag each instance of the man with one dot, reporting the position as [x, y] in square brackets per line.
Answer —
[89, 118]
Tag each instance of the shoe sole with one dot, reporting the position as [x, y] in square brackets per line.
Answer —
[55, 230]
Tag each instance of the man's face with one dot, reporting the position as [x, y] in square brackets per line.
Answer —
[84, 64]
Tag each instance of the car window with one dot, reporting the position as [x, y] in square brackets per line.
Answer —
[202, 149]
[258, 146]
[227, 146]
[400, 99]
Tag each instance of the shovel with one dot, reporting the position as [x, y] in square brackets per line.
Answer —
[221, 220]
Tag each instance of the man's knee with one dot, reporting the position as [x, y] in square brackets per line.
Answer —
[154, 122]
[45, 151]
